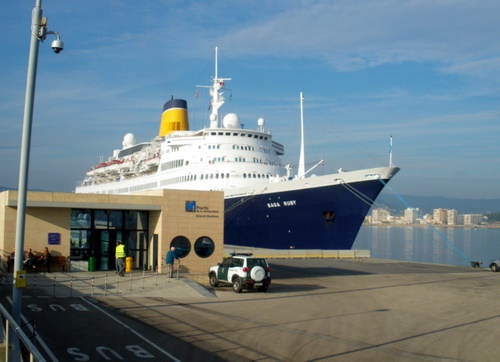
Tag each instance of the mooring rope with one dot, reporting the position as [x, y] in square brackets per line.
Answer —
[453, 246]
[244, 200]
[358, 194]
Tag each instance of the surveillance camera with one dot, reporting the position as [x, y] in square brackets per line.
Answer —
[57, 46]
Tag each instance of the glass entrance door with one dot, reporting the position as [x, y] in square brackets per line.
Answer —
[105, 248]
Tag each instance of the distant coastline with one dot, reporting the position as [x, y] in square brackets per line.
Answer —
[489, 226]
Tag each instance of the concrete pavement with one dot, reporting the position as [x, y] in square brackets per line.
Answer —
[315, 309]
[108, 284]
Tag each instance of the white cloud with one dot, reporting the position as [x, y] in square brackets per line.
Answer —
[357, 34]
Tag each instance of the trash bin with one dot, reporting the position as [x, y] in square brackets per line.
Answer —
[128, 264]
[92, 263]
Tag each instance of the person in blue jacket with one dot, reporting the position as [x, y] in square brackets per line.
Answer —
[170, 258]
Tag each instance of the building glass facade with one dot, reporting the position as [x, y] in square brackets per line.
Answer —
[94, 233]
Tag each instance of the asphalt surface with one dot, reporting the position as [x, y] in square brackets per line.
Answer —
[315, 310]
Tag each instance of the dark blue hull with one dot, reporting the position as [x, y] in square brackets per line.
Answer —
[327, 218]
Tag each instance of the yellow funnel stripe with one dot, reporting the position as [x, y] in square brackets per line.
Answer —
[173, 119]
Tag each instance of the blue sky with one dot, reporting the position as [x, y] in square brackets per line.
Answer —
[426, 72]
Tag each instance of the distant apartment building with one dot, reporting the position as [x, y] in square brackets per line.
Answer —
[380, 216]
[411, 215]
[472, 219]
[440, 216]
[453, 217]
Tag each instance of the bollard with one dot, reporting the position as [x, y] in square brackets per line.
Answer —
[128, 264]
[34, 288]
[92, 264]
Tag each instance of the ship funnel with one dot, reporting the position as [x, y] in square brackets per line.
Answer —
[174, 117]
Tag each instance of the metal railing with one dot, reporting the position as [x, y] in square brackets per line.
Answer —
[11, 325]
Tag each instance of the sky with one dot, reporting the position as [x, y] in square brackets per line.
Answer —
[426, 72]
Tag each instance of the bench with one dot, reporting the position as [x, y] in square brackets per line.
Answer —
[57, 263]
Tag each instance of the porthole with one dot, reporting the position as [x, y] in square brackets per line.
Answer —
[204, 247]
[182, 246]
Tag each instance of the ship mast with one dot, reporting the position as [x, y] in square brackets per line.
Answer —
[217, 97]
[302, 166]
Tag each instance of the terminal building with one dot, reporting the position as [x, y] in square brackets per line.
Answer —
[79, 228]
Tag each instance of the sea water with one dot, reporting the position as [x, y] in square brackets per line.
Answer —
[429, 244]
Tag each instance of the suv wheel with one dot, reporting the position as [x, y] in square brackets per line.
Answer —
[214, 282]
[494, 267]
[237, 285]
[257, 273]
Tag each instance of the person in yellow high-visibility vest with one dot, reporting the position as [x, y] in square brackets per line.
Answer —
[120, 255]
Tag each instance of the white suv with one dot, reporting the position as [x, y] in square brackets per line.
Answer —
[242, 271]
[495, 265]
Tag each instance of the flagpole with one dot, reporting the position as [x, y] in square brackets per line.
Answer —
[390, 153]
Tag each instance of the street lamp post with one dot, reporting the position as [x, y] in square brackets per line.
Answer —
[38, 34]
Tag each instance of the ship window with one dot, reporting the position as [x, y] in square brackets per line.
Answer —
[242, 134]
[213, 133]
[249, 135]
[255, 136]
[216, 175]
[244, 175]
[235, 134]
[227, 175]
[221, 133]
[228, 133]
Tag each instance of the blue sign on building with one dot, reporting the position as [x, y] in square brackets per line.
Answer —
[190, 206]
[54, 239]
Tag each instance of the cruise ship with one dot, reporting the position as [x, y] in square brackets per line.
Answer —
[267, 204]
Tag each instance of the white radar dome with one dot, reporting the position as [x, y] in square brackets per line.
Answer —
[128, 140]
[231, 120]
[260, 122]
